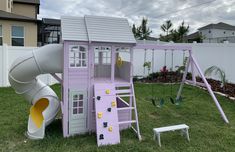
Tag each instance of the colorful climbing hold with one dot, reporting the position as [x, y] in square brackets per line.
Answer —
[110, 129]
[107, 91]
[114, 104]
[100, 114]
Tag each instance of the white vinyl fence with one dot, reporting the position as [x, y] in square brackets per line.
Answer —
[8, 54]
[207, 54]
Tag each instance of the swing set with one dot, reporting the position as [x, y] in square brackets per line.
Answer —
[191, 64]
[159, 102]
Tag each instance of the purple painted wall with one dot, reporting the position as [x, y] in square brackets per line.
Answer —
[83, 78]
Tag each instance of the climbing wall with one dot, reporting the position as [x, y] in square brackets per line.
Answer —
[107, 127]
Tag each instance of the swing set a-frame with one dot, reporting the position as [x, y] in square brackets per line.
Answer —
[191, 64]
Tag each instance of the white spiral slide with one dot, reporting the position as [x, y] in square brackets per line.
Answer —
[22, 77]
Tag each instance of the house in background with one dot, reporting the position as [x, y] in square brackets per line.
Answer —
[18, 22]
[194, 37]
[218, 33]
[214, 33]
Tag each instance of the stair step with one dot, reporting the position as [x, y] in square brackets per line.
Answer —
[123, 85]
[125, 95]
[123, 91]
[125, 122]
[126, 108]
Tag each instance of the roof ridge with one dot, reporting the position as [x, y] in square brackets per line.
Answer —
[219, 25]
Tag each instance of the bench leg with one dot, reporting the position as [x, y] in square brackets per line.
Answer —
[159, 139]
[187, 135]
[183, 132]
[154, 136]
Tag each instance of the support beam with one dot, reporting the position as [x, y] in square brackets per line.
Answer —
[192, 68]
[183, 79]
[210, 90]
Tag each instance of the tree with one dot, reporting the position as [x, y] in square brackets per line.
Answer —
[143, 31]
[175, 35]
[134, 30]
[182, 31]
[166, 28]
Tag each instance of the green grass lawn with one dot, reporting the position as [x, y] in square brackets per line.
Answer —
[207, 131]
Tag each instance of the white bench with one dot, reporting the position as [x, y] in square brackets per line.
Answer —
[157, 131]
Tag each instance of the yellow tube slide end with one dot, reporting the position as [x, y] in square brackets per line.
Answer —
[36, 111]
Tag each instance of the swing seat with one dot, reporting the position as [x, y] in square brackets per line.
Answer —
[161, 102]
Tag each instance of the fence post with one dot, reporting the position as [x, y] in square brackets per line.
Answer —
[5, 65]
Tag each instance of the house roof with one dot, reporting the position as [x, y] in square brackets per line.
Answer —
[51, 21]
[97, 29]
[193, 35]
[27, 1]
[152, 38]
[11, 16]
[219, 25]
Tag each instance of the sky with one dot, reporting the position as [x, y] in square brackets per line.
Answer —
[195, 13]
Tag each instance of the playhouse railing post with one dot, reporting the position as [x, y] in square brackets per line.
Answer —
[210, 90]
[183, 79]
[131, 80]
[113, 58]
[89, 92]
[192, 68]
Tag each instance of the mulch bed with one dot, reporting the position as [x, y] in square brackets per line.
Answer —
[175, 77]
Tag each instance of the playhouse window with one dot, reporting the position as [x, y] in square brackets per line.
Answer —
[103, 55]
[124, 53]
[78, 100]
[77, 56]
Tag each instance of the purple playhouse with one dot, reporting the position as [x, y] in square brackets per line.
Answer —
[96, 62]
[96, 79]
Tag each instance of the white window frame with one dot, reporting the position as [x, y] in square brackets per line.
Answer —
[18, 36]
[106, 58]
[78, 57]
[1, 36]
[76, 108]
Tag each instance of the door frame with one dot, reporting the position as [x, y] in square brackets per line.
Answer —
[77, 116]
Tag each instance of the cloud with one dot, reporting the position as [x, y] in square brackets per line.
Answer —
[157, 11]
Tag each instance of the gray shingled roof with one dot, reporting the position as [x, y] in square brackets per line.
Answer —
[11, 16]
[219, 25]
[27, 1]
[97, 29]
[51, 21]
[193, 35]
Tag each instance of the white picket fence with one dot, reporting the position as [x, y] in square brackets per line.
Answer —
[207, 54]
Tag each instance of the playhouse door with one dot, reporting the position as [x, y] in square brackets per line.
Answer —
[77, 112]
